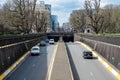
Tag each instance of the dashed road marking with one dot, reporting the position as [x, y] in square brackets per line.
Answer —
[25, 79]
[111, 69]
[91, 73]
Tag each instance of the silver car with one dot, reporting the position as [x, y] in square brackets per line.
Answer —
[35, 50]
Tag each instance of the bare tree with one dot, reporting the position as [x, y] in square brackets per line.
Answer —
[22, 13]
[6, 17]
[42, 21]
[1, 22]
[78, 20]
[116, 19]
[112, 18]
[93, 12]
[107, 13]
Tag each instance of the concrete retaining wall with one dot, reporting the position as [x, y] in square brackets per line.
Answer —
[108, 51]
[9, 54]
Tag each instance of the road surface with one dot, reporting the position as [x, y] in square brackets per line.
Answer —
[87, 69]
[34, 67]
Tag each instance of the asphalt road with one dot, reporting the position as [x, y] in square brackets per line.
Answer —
[87, 69]
[34, 67]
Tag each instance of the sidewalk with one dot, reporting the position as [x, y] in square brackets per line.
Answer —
[61, 68]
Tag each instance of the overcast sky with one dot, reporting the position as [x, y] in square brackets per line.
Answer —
[63, 8]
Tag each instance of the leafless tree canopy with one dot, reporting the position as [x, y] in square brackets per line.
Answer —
[77, 20]
[42, 21]
[101, 20]
[24, 13]
[21, 16]
[93, 12]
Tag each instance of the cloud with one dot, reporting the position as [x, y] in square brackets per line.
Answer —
[2, 2]
[63, 17]
[63, 8]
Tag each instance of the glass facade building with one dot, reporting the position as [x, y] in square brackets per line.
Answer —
[55, 23]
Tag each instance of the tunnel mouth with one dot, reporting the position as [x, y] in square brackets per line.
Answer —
[66, 37]
[56, 38]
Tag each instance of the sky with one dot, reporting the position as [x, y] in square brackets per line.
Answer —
[63, 8]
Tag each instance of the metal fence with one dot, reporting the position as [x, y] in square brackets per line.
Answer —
[108, 51]
[8, 55]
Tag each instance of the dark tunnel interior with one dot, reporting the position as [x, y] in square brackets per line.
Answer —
[65, 37]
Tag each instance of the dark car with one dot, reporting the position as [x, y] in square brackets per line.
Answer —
[42, 43]
[87, 54]
[47, 40]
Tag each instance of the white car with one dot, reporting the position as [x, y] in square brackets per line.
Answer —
[35, 50]
[51, 41]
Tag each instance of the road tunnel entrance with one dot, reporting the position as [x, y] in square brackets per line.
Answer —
[66, 37]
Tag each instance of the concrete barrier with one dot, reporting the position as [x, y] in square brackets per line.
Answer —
[107, 64]
[109, 51]
[60, 69]
[9, 54]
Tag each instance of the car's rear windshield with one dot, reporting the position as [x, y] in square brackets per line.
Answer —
[34, 48]
[88, 52]
[42, 42]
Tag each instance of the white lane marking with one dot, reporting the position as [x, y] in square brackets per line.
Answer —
[49, 73]
[94, 54]
[114, 72]
[99, 58]
[25, 79]
[15, 64]
[33, 65]
[7, 72]
[106, 65]
[91, 73]
[22, 58]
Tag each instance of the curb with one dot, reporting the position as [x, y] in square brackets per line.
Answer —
[49, 72]
[11, 68]
[72, 65]
[102, 60]
[68, 61]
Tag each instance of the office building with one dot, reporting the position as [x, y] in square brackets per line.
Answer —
[55, 23]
